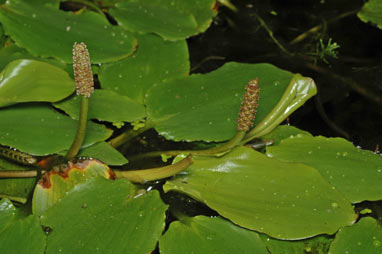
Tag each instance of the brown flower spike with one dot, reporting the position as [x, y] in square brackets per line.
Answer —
[248, 106]
[82, 70]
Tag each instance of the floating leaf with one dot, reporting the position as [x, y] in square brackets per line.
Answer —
[38, 130]
[105, 106]
[202, 234]
[316, 245]
[194, 107]
[152, 16]
[282, 132]
[362, 237]
[48, 32]
[17, 234]
[56, 183]
[356, 173]
[155, 60]
[371, 12]
[30, 80]
[283, 200]
[104, 152]
[17, 189]
[105, 217]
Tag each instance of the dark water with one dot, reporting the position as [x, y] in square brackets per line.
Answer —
[349, 102]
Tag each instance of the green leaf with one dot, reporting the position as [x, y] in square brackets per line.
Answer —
[173, 20]
[17, 189]
[38, 130]
[202, 234]
[105, 106]
[194, 107]
[11, 52]
[155, 60]
[283, 200]
[282, 132]
[29, 80]
[299, 90]
[371, 12]
[8, 214]
[315, 245]
[55, 184]
[103, 216]
[104, 152]
[362, 237]
[48, 32]
[20, 235]
[356, 173]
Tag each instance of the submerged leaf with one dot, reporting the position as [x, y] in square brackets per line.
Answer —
[283, 200]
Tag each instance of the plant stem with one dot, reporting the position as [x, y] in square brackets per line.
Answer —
[216, 151]
[14, 198]
[81, 129]
[90, 5]
[318, 27]
[127, 135]
[270, 33]
[145, 175]
[19, 173]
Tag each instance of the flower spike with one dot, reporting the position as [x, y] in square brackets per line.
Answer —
[248, 105]
[82, 70]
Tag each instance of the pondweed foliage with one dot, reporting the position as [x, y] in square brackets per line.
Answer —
[294, 196]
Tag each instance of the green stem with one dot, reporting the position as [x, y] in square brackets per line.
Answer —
[270, 121]
[127, 136]
[216, 151]
[14, 198]
[19, 173]
[270, 33]
[294, 96]
[145, 175]
[81, 129]
[89, 4]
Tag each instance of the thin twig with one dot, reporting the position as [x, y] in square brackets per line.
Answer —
[318, 27]
[270, 33]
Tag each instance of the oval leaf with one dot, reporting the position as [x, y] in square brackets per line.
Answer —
[56, 183]
[194, 107]
[104, 217]
[283, 200]
[30, 80]
[155, 60]
[356, 173]
[371, 12]
[20, 234]
[38, 130]
[363, 237]
[48, 32]
[105, 106]
[152, 16]
[202, 234]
